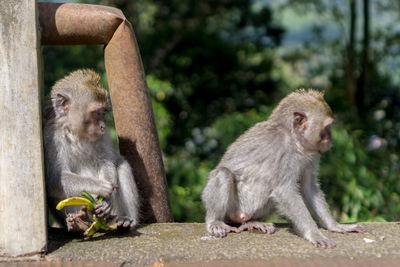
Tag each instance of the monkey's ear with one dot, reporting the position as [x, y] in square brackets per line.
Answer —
[299, 122]
[62, 103]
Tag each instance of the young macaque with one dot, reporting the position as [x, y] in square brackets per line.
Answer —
[275, 165]
[79, 155]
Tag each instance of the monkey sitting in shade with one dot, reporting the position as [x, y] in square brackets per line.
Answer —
[79, 155]
[274, 165]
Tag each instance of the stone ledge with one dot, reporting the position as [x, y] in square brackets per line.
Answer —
[188, 244]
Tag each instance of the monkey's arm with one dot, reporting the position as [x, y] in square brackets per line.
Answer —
[291, 204]
[108, 172]
[73, 185]
[317, 203]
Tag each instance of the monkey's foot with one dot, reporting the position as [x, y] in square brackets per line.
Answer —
[347, 228]
[324, 243]
[126, 222]
[78, 222]
[267, 228]
[221, 229]
[320, 241]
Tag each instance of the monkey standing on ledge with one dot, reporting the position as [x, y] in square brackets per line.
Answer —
[275, 165]
[79, 155]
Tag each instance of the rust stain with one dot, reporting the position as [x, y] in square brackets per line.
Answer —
[72, 24]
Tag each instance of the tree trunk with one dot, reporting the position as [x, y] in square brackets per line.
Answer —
[350, 71]
[363, 80]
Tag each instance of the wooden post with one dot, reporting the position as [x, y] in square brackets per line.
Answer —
[22, 191]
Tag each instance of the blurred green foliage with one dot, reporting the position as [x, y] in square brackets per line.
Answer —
[215, 68]
[361, 185]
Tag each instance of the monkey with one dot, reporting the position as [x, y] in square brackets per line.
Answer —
[79, 154]
[274, 165]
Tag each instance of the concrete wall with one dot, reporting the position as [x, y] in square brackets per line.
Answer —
[22, 198]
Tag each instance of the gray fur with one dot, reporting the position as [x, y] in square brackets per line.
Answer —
[272, 166]
[74, 164]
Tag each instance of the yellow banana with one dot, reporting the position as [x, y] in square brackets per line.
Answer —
[89, 197]
[75, 201]
[90, 202]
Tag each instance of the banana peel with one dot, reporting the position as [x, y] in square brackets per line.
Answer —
[99, 224]
[72, 201]
[87, 200]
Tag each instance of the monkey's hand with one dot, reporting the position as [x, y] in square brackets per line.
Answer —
[220, 229]
[103, 209]
[319, 240]
[78, 222]
[347, 228]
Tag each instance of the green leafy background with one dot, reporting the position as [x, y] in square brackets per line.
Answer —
[215, 68]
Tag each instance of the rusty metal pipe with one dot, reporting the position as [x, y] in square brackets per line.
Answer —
[72, 24]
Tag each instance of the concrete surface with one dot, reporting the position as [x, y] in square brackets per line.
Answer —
[22, 201]
[184, 244]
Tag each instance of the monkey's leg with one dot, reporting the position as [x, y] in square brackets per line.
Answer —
[127, 196]
[218, 196]
[78, 222]
[291, 204]
[316, 200]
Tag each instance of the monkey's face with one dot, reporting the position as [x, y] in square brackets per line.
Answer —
[88, 121]
[318, 135]
[325, 136]
[94, 125]
[313, 131]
